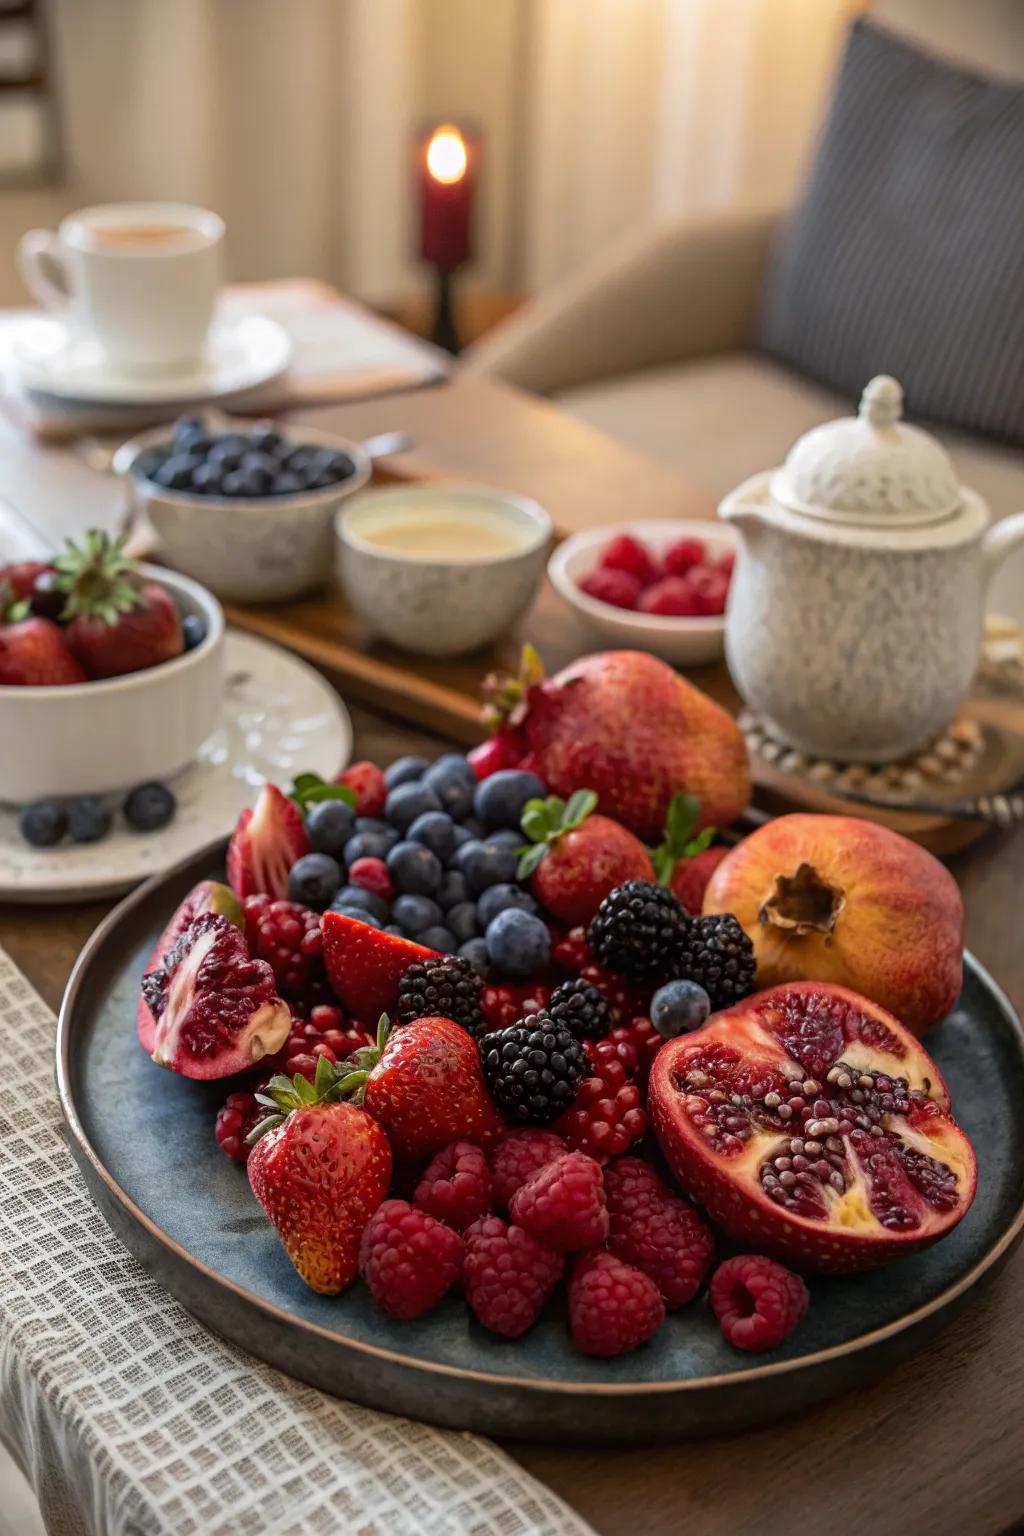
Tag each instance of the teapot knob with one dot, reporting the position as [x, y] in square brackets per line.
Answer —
[881, 404]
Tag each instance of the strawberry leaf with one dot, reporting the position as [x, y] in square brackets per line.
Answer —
[309, 789]
[265, 1125]
[581, 803]
[679, 841]
[530, 860]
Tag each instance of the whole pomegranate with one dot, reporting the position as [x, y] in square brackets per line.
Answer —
[809, 1123]
[625, 725]
[839, 899]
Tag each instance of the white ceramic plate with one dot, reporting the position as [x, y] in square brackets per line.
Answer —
[280, 717]
[688, 641]
[240, 353]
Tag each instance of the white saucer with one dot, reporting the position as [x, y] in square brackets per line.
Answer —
[240, 353]
[280, 717]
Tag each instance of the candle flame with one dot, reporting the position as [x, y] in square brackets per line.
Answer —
[447, 158]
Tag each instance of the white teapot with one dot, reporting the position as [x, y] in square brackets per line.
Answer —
[857, 606]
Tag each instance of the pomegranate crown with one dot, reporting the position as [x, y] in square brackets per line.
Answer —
[332, 1083]
[99, 579]
[545, 821]
[679, 841]
[506, 694]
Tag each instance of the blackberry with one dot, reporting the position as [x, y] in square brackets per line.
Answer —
[581, 1008]
[719, 957]
[448, 986]
[533, 1069]
[638, 930]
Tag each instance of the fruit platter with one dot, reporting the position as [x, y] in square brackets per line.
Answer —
[510, 1092]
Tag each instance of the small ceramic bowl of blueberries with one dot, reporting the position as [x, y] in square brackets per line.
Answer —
[246, 507]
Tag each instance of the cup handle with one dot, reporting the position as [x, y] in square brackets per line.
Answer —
[41, 260]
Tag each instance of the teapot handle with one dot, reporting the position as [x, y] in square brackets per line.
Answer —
[1000, 540]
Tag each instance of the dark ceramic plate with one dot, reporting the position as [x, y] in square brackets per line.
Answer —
[187, 1213]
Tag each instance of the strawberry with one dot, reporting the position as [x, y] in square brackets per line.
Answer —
[365, 964]
[18, 581]
[319, 1168]
[576, 857]
[265, 844]
[502, 750]
[115, 621]
[33, 654]
[366, 782]
[691, 876]
[684, 861]
[424, 1085]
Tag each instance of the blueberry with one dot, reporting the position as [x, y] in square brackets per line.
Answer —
[399, 933]
[439, 939]
[231, 446]
[150, 806]
[416, 913]
[88, 819]
[452, 890]
[313, 880]
[207, 479]
[260, 464]
[436, 831]
[465, 835]
[506, 838]
[43, 824]
[238, 483]
[299, 459]
[363, 901]
[370, 845]
[361, 916]
[414, 869]
[330, 824]
[473, 827]
[376, 824]
[678, 1007]
[462, 921]
[193, 631]
[453, 782]
[499, 898]
[318, 479]
[285, 483]
[188, 426]
[475, 951]
[408, 801]
[484, 865]
[499, 800]
[518, 944]
[404, 770]
[145, 465]
[266, 440]
[47, 598]
[175, 473]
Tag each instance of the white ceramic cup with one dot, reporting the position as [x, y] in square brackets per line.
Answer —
[140, 279]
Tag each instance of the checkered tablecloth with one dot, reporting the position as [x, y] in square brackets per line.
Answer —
[131, 1419]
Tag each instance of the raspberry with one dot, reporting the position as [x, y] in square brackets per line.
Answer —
[571, 952]
[520, 1156]
[612, 1306]
[618, 588]
[625, 553]
[622, 997]
[408, 1258]
[641, 1034]
[758, 1303]
[683, 555]
[366, 782]
[288, 937]
[505, 1005]
[607, 1116]
[672, 597]
[563, 1204]
[727, 562]
[709, 589]
[372, 875]
[237, 1116]
[507, 1275]
[456, 1186]
[657, 1232]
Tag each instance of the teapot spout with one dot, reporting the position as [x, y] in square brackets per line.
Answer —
[745, 505]
[1000, 540]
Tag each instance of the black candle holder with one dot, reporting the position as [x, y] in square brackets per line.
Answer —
[444, 332]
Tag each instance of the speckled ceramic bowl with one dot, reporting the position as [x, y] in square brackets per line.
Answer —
[439, 605]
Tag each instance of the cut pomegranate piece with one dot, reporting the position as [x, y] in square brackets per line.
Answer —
[207, 896]
[809, 1123]
[216, 1010]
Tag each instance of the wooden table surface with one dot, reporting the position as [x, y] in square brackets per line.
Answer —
[934, 1448]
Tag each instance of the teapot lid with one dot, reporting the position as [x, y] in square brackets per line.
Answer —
[870, 470]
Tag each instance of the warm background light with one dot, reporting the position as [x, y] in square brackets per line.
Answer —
[446, 156]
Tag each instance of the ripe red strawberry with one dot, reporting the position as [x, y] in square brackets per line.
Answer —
[365, 964]
[624, 553]
[758, 1303]
[577, 857]
[505, 1004]
[618, 588]
[690, 877]
[507, 1275]
[502, 750]
[33, 654]
[655, 1230]
[115, 621]
[521, 1155]
[683, 860]
[267, 841]
[320, 1219]
[563, 1204]
[613, 1307]
[424, 1085]
[456, 1185]
[366, 782]
[17, 581]
[408, 1259]
[607, 1116]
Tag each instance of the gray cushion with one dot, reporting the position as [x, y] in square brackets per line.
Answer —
[906, 255]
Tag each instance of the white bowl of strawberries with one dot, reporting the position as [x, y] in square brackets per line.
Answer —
[658, 586]
[110, 672]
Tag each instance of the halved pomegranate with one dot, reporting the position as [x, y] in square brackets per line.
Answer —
[809, 1123]
[216, 1010]
[207, 896]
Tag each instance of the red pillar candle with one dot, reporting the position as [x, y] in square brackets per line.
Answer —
[446, 198]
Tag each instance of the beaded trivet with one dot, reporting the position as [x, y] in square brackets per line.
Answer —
[946, 760]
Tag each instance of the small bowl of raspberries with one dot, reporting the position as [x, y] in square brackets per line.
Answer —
[657, 586]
